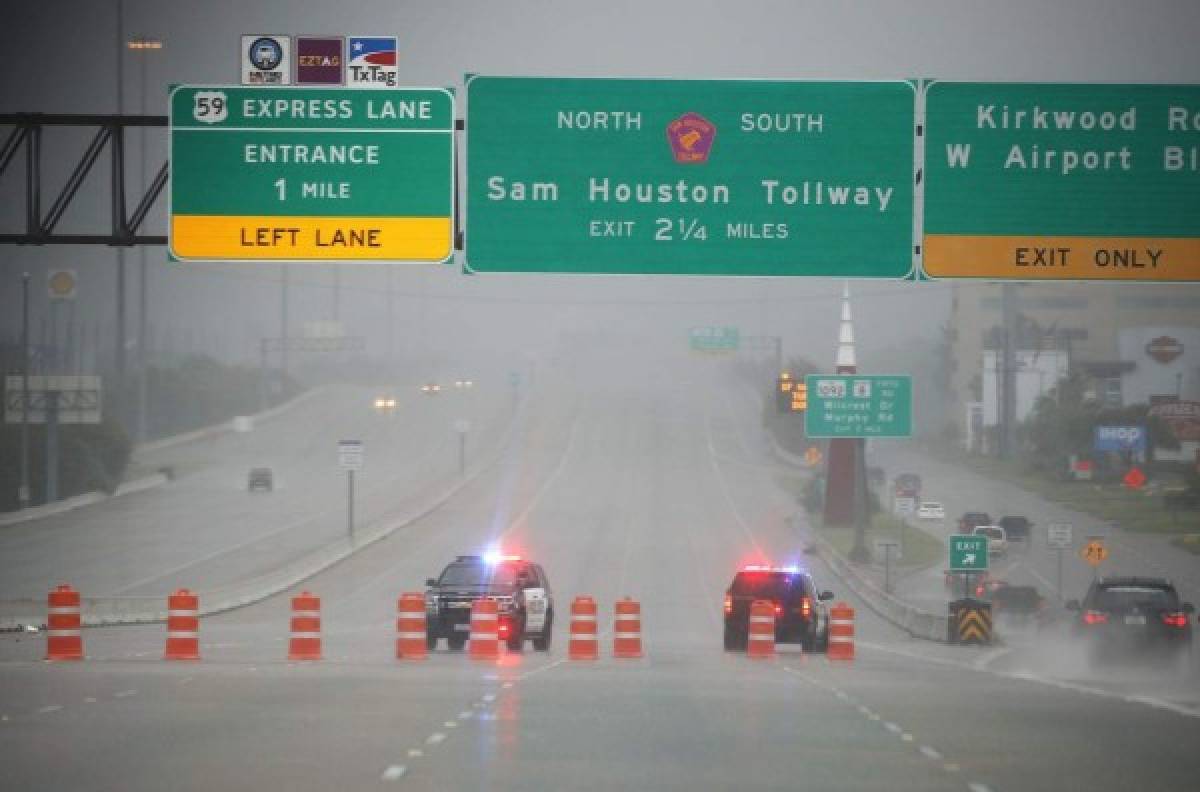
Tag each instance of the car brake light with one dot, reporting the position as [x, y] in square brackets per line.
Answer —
[778, 609]
[1095, 617]
[1175, 619]
[805, 607]
[728, 603]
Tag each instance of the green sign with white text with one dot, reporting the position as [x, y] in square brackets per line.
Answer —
[858, 405]
[968, 553]
[1029, 181]
[714, 339]
[621, 176]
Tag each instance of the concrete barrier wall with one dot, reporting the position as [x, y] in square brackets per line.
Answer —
[15, 614]
[916, 622]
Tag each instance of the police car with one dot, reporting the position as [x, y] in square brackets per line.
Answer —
[801, 615]
[519, 587]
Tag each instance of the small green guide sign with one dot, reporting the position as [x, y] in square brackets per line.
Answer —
[618, 176]
[968, 553]
[714, 339]
[858, 405]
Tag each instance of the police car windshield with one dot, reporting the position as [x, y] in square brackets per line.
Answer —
[768, 585]
[479, 574]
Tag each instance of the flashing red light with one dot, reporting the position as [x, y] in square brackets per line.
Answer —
[503, 630]
[728, 603]
[1175, 619]
[778, 609]
[756, 568]
[979, 591]
[805, 607]
[1095, 617]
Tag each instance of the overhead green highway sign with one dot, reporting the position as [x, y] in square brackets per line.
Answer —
[1062, 182]
[297, 173]
[714, 339]
[620, 176]
[858, 405]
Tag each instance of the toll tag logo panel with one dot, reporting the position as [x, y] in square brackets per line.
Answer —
[371, 62]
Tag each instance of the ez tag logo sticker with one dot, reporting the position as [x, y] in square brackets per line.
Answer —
[210, 107]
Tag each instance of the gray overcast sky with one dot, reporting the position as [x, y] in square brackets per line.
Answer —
[60, 58]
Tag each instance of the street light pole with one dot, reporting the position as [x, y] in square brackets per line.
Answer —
[23, 490]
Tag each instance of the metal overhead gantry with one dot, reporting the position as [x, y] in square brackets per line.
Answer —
[40, 229]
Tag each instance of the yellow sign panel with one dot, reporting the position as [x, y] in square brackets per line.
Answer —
[379, 238]
[1062, 258]
[1094, 552]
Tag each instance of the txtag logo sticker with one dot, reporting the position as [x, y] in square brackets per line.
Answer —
[371, 62]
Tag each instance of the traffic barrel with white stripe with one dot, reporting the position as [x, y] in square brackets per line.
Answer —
[583, 644]
[183, 626]
[841, 632]
[64, 633]
[410, 627]
[305, 643]
[485, 625]
[760, 635]
[627, 630]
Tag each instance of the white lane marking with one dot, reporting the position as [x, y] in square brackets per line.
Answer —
[435, 738]
[450, 724]
[185, 680]
[50, 708]
[520, 519]
[538, 670]
[906, 737]
[1040, 577]
[930, 753]
[90, 700]
[394, 772]
[125, 694]
[3, 717]
[507, 685]
[464, 715]
[733, 509]
[415, 753]
[986, 659]
[951, 767]
[974, 787]
[489, 697]
[893, 728]
[1027, 677]
[864, 710]
[874, 717]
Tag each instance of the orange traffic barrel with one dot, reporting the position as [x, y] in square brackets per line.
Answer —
[627, 631]
[410, 627]
[841, 632]
[183, 626]
[485, 625]
[583, 644]
[760, 637]
[305, 643]
[64, 633]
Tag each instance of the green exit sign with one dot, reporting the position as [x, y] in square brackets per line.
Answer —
[714, 339]
[721, 177]
[968, 553]
[858, 405]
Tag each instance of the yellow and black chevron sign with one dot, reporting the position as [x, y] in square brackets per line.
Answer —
[975, 625]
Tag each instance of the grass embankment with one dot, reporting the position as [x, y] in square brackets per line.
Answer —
[1189, 542]
[918, 548]
[1130, 509]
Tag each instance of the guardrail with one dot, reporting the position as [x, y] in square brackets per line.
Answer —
[916, 622]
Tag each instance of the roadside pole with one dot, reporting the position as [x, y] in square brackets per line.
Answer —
[51, 445]
[350, 459]
[23, 495]
[1059, 578]
[462, 426]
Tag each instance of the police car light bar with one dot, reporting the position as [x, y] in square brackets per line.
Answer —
[496, 558]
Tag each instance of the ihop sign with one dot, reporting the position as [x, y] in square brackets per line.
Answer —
[1120, 438]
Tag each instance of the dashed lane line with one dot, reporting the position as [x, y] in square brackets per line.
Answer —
[930, 753]
[49, 708]
[435, 738]
[125, 694]
[394, 772]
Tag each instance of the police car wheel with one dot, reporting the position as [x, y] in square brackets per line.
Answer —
[733, 640]
[542, 642]
[456, 642]
[514, 642]
[431, 640]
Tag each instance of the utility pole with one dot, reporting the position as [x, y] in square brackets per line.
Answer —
[23, 489]
[283, 319]
[1008, 405]
[119, 358]
[143, 46]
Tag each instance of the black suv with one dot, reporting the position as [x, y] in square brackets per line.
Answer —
[1133, 615]
[801, 615]
[520, 589]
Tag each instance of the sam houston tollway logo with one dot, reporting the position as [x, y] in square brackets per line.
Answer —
[691, 137]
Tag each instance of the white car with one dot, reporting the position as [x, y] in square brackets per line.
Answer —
[996, 538]
[931, 510]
